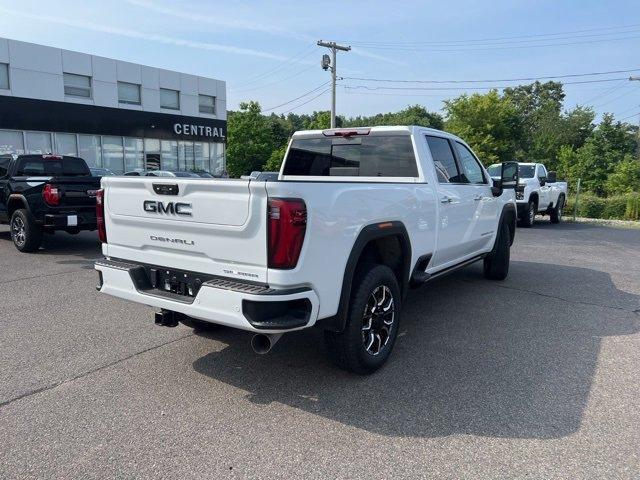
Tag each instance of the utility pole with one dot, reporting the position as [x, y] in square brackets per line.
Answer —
[331, 65]
[637, 79]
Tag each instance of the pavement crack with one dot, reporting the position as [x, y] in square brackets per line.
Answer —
[564, 299]
[89, 372]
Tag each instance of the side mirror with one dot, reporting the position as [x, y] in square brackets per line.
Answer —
[551, 177]
[508, 178]
[543, 181]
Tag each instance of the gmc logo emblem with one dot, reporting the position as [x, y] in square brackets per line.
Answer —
[169, 208]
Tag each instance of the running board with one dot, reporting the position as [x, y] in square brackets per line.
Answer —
[420, 278]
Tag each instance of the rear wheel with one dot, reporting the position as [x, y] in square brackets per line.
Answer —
[372, 323]
[496, 264]
[556, 213]
[25, 232]
[529, 214]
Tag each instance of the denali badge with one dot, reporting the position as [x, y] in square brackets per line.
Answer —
[170, 208]
[172, 240]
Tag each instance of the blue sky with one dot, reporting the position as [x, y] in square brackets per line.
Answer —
[266, 50]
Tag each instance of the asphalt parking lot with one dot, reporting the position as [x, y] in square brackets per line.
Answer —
[536, 377]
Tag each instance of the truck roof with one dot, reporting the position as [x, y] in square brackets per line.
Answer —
[401, 129]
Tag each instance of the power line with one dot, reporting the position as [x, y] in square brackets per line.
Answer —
[493, 87]
[307, 101]
[616, 98]
[502, 38]
[297, 98]
[630, 116]
[462, 43]
[296, 58]
[275, 82]
[606, 92]
[571, 75]
[464, 48]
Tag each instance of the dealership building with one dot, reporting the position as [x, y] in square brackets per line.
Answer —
[114, 114]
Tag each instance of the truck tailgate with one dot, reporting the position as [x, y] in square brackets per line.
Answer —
[208, 226]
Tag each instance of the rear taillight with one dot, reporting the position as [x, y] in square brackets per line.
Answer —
[102, 231]
[51, 195]
[287, 219]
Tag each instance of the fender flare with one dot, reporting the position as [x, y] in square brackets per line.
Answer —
[17, 198]
[508, 209]
[369, 233]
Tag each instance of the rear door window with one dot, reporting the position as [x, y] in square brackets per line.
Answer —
[471, 169]
[444, 160]
[361, 156]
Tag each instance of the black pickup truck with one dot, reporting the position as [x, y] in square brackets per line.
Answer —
[45, 193]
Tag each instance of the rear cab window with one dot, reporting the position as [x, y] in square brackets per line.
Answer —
[50, 166]
[357, 156]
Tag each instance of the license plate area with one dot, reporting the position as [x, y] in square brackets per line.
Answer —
[178, 282]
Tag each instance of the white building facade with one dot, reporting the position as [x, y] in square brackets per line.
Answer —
[114, 114]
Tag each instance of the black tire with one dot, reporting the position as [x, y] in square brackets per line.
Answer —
[25, 232]
[529, 214]
[496, 264]
[357, 349]
[556, 213]
[199, 325]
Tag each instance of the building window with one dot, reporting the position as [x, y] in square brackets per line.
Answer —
[129, 93]
[169, 155]
[77, 85]
[11, 142]
[133, 154]
[170, 99]
[207, 104]
[4, 76]
[216, 152]
[89, 150]
[38, 142]
[185, 156]
[113, 154]
[66, 144]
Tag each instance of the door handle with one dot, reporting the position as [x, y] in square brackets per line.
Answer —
[477, 198]
[445, 200]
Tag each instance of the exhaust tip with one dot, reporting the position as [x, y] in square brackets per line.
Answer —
[261, 344]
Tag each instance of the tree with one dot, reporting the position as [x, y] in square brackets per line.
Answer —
[412, 115]
[488, 122]
[625, 177]
[249, 139]
[275, 160]
[608, 145]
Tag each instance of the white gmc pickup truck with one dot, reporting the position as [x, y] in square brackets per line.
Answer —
[538, 193]
[355, 218]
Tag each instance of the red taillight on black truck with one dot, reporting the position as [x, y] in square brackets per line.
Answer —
[102, 231]
[51, 195]
[287, 223]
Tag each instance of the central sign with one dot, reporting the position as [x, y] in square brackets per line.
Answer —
[188, 129]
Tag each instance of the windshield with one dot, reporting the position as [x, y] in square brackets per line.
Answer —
[526, 171]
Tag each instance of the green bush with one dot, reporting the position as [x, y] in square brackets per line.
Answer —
[620, 207]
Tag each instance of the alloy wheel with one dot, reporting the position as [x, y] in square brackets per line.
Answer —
[18, 231]
[377, 320]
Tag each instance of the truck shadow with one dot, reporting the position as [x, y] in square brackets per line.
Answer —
[85, 246]
[473, 357]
